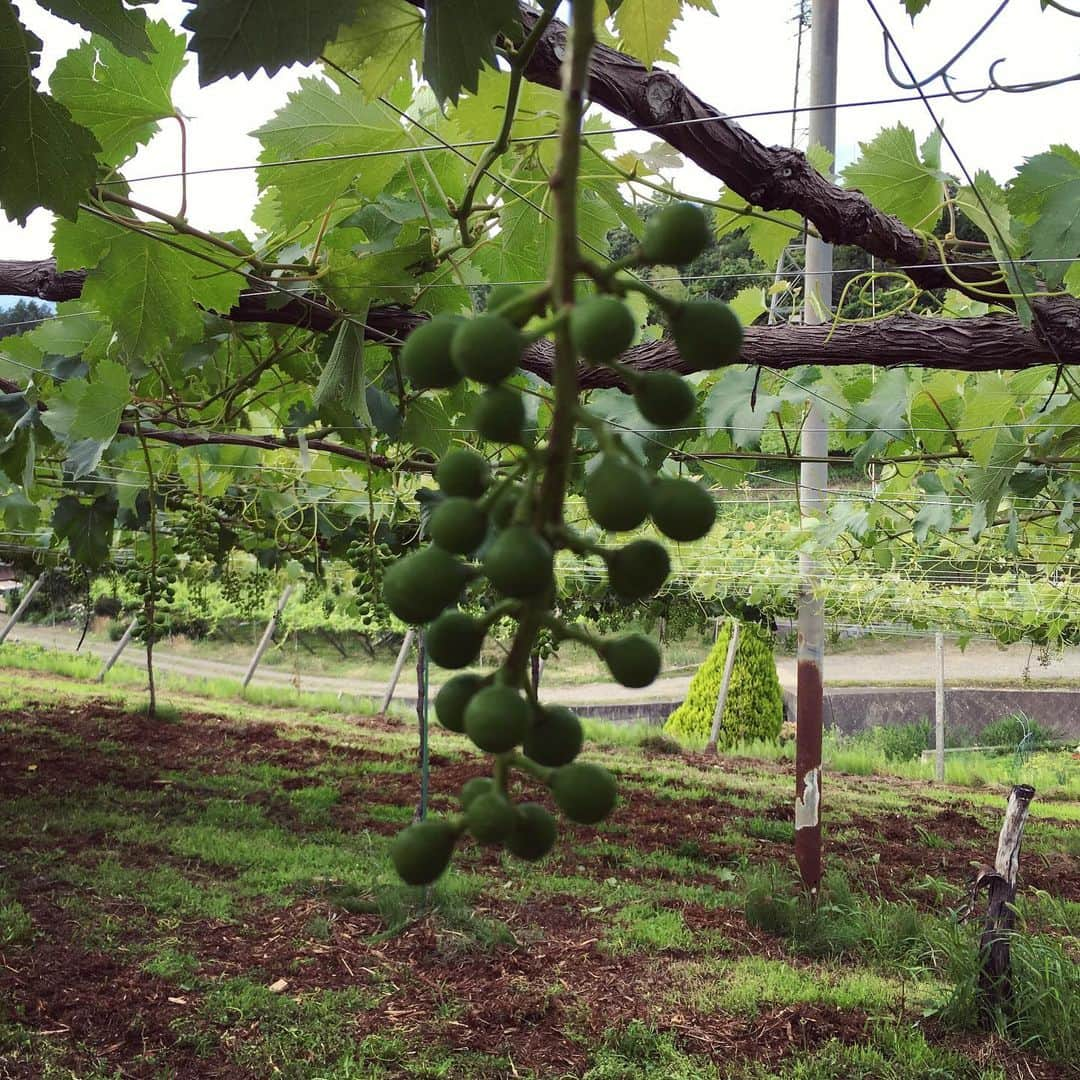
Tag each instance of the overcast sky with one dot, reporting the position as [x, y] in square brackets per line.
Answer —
[743, 61]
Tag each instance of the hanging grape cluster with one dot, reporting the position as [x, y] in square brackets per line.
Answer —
[490, 533]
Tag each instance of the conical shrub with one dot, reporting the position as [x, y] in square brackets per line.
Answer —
[755, 704]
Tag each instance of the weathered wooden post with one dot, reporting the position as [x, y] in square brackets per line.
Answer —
[24, 603]
[995, 985]
[725, 684]
[399, 663]
[121, 645]
[268, 633]
[939, 708]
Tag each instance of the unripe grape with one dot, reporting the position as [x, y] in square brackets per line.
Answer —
[454, 639]
[463, 472]
[425, 356]
[682, 509]
[487, 348]
[602, 327]
[664, 399]
[519, 563]
[458, 525]
[421, 852]
[676, 235]
[497, 719]
[617, 495]
[584, 793]
[633, 659]
[707, 334]
[534, 832]
[638, 569]
[499, 415]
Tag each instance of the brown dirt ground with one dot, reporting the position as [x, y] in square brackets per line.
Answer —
[530, 995]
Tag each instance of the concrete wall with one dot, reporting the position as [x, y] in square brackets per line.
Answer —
[968, 709]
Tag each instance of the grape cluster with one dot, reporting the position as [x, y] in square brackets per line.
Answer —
[155, 583]
[369, 562]
[496, 536]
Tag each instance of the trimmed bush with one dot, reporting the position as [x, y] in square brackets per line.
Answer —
[755, 705]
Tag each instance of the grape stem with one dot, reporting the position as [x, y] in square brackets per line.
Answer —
[565, 263]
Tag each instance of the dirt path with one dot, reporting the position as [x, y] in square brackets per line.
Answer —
[878, 664]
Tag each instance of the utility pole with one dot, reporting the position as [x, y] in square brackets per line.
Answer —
[814, 477]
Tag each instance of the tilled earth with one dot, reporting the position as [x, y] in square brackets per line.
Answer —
[542, 996]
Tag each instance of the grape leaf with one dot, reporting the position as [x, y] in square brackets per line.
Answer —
[126, 29]
[380, 44]
[913, 7]
[88, 528]
[237, 37]
[883, 414]
[935, 513]
[46, 158]
[727, 408]
[767, 237]
[644, 27]
[89, 411]
[1045, 194]
[319, 121]
[986, 206]
[149, 291]
[459, 39]
[892, 175]
[343, 381]
[118, 98]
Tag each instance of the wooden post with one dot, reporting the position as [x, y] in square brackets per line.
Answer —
[399, 663]
[536, 665]
[422, 718]
[939, 708]
[995, 989]
[121, 645]
[24, 603]
[721, 701]
[268, 633]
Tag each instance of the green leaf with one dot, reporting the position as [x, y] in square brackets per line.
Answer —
[237, 37]
[749, 304]
[380, 44]
[767, 237]
[989, 484]
[883, 413]
[985, 413]
[427, 425]
[90, 409]
[88, 528]
[319, 121]
[986, 206]
[727, 408]
[126, 29]
[149, 291]
[120, 99]
[644, 27]
[343, 381]
[913, 7]
[1045, 194]
[459, 39]
[46, 159]
[895, 179]
[936, 511]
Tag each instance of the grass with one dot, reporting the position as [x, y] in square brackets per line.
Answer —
[216, 877]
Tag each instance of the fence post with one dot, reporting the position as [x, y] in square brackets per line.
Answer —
[391, 686]
[268, 633]
[721, 701]
[24, 603]
[121, 645]
[939, 708]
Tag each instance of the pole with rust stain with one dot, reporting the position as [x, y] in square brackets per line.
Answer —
[814, 478]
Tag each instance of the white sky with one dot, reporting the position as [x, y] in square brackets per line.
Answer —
[742, 61]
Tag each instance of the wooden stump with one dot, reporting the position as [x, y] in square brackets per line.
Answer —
[995, 984]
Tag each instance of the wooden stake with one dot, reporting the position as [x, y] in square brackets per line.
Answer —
[24, 603]
[121, 645]
[939, 709]
[399, 663]
[268, 633]
[721, 701]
